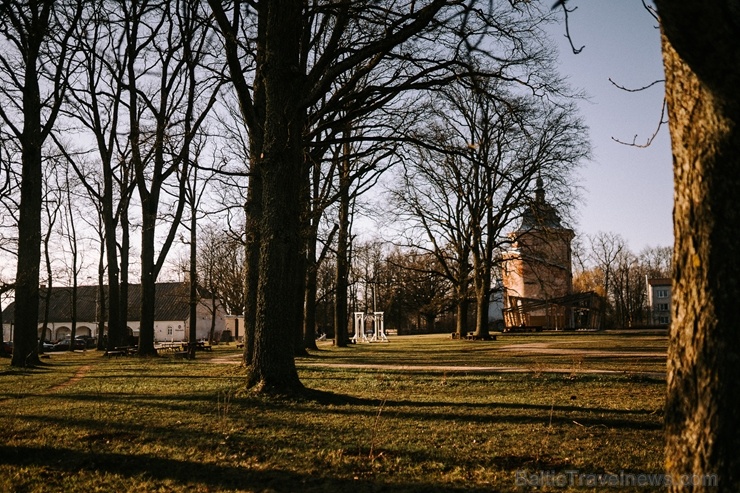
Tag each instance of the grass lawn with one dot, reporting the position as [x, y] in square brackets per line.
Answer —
[421, 413]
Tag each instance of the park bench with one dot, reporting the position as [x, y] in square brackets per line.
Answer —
[169, 347]
[121, 351]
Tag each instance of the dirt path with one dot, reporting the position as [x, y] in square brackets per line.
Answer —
[232, 359]
[235, 359]
[81, 372]
[548, 349]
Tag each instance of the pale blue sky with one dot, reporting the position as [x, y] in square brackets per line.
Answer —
[627, 190]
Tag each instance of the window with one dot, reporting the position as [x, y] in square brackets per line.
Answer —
[663, 320]
[663, 307]
[169, 330]
[661, 293]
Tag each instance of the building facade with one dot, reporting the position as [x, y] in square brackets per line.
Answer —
[538, 277]
[172, 313]
[659, 300]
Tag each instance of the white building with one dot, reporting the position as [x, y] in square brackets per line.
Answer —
[172, 313]
[659, 300]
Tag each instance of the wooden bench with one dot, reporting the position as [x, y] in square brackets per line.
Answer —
[114, 353]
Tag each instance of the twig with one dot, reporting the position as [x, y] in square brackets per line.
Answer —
[639, 88]
[375, 427]
[566, 11]
[650, 140]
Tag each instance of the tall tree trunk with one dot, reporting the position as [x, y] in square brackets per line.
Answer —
[341, 314]
[25, 350]
[253, 211]
[122, 305]
[73, 332]
[193, 278]
[46, 294]
[101, 296]
[461, 323]
[299, 349]
[481, 310]
[703, 406]
[309, 302]
[115, 331]
[482, 284]
[279, 296]
[148, 279]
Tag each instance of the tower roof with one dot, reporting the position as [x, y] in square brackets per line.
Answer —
[539, 214]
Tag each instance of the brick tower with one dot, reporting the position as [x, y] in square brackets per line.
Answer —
[537, 268]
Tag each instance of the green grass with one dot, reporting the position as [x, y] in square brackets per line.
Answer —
[164, 424]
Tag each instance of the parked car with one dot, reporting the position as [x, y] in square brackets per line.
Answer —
[64, 345]
[8, 347]
[47, 346]
[89, 341]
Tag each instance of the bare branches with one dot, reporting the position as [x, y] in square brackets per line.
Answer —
[566, 11]
[662, 121]
[627, 89]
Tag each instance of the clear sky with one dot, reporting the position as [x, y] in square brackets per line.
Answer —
[627, 190]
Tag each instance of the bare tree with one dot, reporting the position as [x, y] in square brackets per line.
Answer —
[164, 116]
[96, 105]
[52, 206]
[475, 173]
[415, 289]
[33, 78]
[657, 261]
[370, 36]
[606, 249]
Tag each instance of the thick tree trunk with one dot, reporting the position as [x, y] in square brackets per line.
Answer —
[252, 210]
[279, 295]
[309, 309]
[342, 271]
[115, 331]
[299, 349]
[481, 312]
[482, 291]
[148, 282]
[25, 350]
[703, 406]
[122, 305]
[461, 307]
[341, 311]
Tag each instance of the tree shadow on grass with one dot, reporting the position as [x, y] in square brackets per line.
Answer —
[210, 475]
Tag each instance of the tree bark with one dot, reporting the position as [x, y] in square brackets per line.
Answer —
[703, 406]
[148, 278]
[279, 296]
[341, 314]
[252, 210]
[193, 285]
[25, 351]
[309, 310]
[461, 324]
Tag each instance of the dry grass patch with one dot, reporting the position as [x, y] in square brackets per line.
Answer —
[163, 424]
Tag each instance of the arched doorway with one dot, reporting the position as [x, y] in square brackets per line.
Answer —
[63, 333]
[47, 335]
[83, 330]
